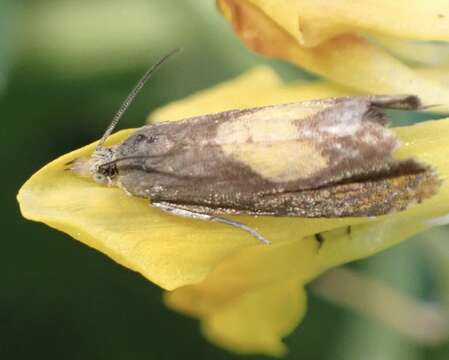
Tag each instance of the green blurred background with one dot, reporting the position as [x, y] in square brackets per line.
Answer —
[65, 66]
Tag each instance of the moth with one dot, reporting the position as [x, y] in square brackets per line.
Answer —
[327, 158]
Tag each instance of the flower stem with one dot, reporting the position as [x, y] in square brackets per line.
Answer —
[425, 323]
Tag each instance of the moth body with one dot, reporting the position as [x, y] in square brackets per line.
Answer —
[322, 158]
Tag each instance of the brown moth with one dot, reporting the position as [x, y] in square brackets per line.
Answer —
[317, 159]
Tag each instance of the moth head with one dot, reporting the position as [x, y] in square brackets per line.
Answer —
[99, 166]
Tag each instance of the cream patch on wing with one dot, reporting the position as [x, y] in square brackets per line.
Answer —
[275, 121]
[269, 146]
[280, 162]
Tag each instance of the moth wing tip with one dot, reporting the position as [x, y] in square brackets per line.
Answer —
[400, 102]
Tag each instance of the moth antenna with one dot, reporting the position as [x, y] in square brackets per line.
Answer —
[132, 95]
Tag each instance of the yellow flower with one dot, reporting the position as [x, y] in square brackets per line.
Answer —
[247, 296]
[342, 40]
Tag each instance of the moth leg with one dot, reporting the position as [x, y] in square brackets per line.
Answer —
[200, 216]
[320, 239]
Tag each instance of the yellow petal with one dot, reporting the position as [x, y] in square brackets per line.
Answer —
[254, 298]
[254, 323]
[346, 59]
[436, 73]
[312, 22]
[427, 53]
[259, 86]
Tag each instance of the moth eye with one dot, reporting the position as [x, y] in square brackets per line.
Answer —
[140, 138]
[99, 178]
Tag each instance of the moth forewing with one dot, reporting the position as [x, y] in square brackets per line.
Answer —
[321, 158]
[228, 159]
